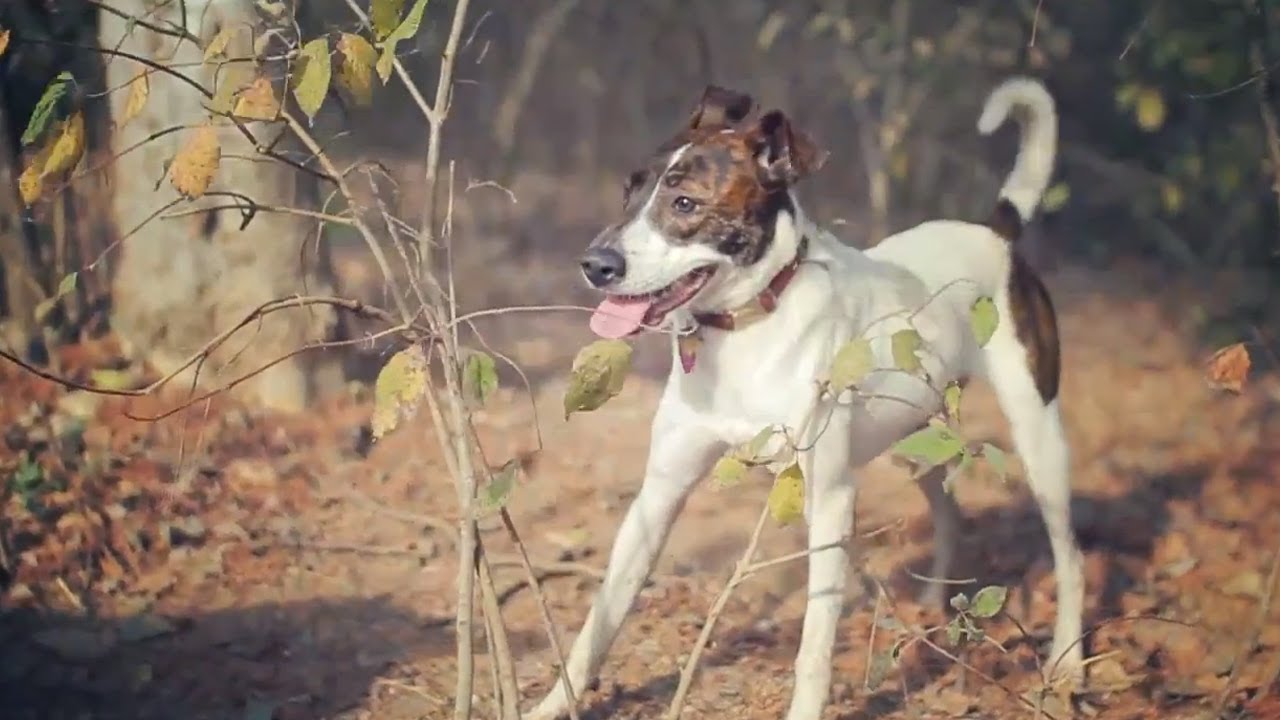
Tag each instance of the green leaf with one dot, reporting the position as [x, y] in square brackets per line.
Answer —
[756, 446]
[28, 477]
[951, 400]
[983, 318]
[786, 497]
[109, 379]
[853, 362]
[384, 15]
[46, 108]
[598, 373]
[405, 30]
[906, 343]
[878, 671]
[312, 75]
[954, 632]
[959, 602]
[988, 601]
[479, 378]
[66, 286]
[728, 471]
[932, 445]
[966, 460]
[996, 459]
[398, 390]
[497, 492]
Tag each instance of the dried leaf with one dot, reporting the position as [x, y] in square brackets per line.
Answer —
[479, 378]
[405, 30]
[598, 373]
[1229, 368]
[46, 107]
[983, 318]
[398, 391]
[193, 168]
[68, 148]
[218, 43]
[853, 362]
[988, 601]
[384, 15]
[139, 91]
[4, 41]
[258, 101]
[31, 182]
[906, 343]
[728, 471]
[312, 75]
[786, 497]
[355, 72]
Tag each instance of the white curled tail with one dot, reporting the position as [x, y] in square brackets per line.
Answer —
[1032, 106]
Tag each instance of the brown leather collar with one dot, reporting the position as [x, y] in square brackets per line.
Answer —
[757, 309]
[762, 304]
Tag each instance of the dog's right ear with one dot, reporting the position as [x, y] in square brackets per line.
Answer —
[720, 108]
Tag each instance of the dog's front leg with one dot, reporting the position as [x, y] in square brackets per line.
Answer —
[680, 453]
[829, 508]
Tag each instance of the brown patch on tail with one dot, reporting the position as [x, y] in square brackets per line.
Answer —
[1034, 319]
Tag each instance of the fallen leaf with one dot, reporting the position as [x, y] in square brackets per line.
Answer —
[1229, 368]
[4, 40]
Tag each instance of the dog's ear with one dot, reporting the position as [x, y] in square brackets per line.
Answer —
[785, 154]
[720, 108]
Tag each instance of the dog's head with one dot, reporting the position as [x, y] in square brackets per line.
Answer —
[700, 217]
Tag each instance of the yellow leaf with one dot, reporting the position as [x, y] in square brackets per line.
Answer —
[905, 345]
[4, 40]
[68, 147]
[1056, 197]
[194, 166]
[1150, 109]
[139, 91]
[951, 399]
[109, 379]
[597, 375]
[355, 74]
[728, 471]
[258, 101]
[399, 389]
[312, 75]
[385, 16]
[1171, 197]
[31, 182]
[770, 29]
[853, 362]
[786, 498]
[218, 44]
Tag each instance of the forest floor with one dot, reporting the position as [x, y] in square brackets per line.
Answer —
[225, 563]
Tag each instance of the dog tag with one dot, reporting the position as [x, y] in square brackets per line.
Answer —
[688, 346]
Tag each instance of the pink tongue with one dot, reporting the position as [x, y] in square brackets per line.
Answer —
[618, 317]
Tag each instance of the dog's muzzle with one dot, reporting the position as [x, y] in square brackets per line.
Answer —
[603, 266]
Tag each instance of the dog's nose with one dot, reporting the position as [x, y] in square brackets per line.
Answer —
[602, 266]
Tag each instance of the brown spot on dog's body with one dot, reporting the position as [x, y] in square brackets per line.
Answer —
[1034, 319]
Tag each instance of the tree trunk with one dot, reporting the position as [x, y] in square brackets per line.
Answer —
[181, 281]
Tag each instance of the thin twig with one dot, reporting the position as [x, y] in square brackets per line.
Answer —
[740, 573]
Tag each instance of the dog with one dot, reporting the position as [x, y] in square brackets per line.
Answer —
[714, 248]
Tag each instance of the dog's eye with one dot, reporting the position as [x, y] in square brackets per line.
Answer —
[684, 204]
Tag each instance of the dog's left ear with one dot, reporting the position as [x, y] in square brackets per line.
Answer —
[785, 154]
[720, 108]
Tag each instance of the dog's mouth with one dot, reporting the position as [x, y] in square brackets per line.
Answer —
[618, 316]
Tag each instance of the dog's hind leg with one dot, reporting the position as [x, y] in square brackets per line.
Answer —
[681, 452]
[946, 517]
[1021, 363]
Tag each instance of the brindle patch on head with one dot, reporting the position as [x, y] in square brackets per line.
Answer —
[714, 194]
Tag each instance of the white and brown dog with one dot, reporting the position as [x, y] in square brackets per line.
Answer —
[714, 244]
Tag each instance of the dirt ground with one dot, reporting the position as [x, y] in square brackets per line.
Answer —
[222, 563]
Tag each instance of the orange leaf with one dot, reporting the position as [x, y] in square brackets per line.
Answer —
[1229, 367]
[194, 166]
